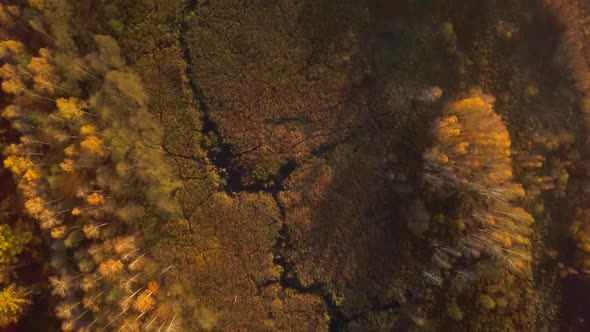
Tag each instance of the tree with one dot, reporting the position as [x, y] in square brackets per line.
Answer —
[67, 165]
[61, 285]
[10, 47]
[124, 244]
[108, 56]
[12, 79]
[471, 154]
[70, 108]
[144, 301]
[130, 213]
[13, 302]
[95, 199]
[92, 231]
[128, 85]
[18, 165]
[13, 86]
[87, 130]
[110, 268]
[472, 149]
[12, 243]
[94, 147]
[6, 20]
[92, 302]
[153, 286]
[37, 208]
[44, 77]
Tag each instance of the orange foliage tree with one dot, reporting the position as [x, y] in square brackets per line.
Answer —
[471, 154]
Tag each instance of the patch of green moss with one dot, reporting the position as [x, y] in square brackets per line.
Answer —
[454, 312]
[487, 302]
[115, 26]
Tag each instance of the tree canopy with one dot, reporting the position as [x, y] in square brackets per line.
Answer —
[471, 154]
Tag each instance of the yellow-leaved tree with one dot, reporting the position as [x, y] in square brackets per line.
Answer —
[13, 301]
[471, 154]
[70, 108]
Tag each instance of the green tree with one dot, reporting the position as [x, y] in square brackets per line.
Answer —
[12, 242]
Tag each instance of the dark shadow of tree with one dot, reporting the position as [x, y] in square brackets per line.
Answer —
[346, 208]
